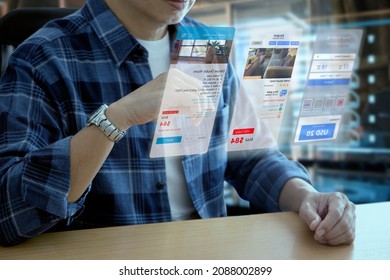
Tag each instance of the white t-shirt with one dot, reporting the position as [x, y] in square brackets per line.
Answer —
[180, 202]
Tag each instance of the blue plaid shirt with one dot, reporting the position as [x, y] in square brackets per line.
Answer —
[54, 81]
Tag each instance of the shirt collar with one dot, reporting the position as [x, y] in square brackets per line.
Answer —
[116, 39]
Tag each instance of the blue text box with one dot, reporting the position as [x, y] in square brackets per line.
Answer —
[317, 131]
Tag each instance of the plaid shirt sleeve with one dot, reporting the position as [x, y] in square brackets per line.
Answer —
[31, 158]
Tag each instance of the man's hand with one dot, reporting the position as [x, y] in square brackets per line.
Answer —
[331, 216]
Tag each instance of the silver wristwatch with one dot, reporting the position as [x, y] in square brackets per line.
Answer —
[99, 119]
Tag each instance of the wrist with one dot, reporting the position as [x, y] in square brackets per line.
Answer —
[118, 116]
[294, 192]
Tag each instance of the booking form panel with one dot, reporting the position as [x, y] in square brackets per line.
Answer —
[192, 92]
[327, 89]
[264, 89]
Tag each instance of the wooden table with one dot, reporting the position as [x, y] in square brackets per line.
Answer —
[277, 236]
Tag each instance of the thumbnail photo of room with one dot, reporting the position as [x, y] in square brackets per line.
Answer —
[201, 51]
[270, 63]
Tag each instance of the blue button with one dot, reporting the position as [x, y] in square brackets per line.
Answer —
[283, 43]
[317, 131]
[168, 140]
[328, 82]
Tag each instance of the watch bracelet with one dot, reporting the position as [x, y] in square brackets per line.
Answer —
[113, 133]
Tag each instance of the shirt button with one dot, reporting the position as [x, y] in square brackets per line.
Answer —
[160, 186]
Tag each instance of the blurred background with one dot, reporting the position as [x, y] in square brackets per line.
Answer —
[357, 166]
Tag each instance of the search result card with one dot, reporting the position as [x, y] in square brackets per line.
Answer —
[264, 89]
[326, 94]
[192, 93]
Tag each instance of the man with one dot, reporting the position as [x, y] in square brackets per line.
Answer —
[57, 165]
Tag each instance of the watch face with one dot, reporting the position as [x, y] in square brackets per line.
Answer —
[96, 113]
